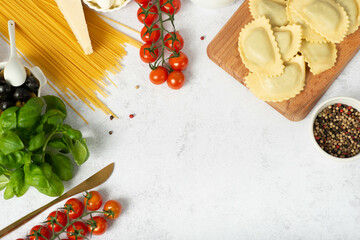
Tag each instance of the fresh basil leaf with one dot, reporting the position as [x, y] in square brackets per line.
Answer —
[10, 142]
[30, 113]
[8, 119]
[62, 167]
[37, 142]
[73, 133]
[58, 143]
[53, 102]
[3, 182]
[2, 170]
[80, 151]
[35, 176]
[68, 141]
[17, 180]
[56, 187]
[37, 158]
[9, 192]
[13, 160]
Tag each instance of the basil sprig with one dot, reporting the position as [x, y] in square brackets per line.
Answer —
[36, 148]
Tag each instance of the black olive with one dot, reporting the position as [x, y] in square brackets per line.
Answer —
[32, 83]
[5, 91]
[21, 94]
[6, 104]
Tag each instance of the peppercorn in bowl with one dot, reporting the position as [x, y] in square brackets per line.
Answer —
[17, 96]
[335, 128]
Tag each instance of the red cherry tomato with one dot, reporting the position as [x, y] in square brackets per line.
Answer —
[101, 225]
[158, 76]
[150, 38]
[142, 1]
[54, 217]
[78, 208]
[113, 208]
[93, 200]
[76, 229]
[147, 15]
[174, 41]
[176, 80]
[146, 56]
[40, 232]
[175, 7]
[179, 63]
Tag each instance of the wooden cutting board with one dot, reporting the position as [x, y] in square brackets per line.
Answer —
[223, 50]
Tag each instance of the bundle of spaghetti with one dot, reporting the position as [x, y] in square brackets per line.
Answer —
[45, 39]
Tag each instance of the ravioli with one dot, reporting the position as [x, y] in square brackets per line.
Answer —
[352, 8]
[307, 32]
[319, 56]
[281, 88]
[289, 40]
[274, 10]
[326, 17]
[259, 50]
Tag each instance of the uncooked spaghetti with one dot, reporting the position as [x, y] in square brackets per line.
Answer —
[47, 41]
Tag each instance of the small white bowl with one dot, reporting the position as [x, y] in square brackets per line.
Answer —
[343, 100]
[96, 7]
[36, 71]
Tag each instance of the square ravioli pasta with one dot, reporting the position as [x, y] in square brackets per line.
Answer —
[259, 50]
[281, 88]
[274, 10]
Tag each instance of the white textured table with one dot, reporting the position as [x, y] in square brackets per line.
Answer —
[210, 161]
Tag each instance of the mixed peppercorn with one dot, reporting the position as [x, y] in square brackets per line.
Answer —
[17, 96]
[337, 130]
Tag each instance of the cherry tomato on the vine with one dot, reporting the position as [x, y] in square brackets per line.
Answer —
[54, 218]
[174, 41]
[74, 231]
[150, 38]
[77, 206]
[101, 225]
[179, 63]
[158, 76]
[93, 200]
[170, 8]
[40, 232]
[114, 207]
[142, 1]
[176, 80]
[147, 16]
[147, 56]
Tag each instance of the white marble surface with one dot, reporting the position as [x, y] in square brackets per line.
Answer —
[209, 161]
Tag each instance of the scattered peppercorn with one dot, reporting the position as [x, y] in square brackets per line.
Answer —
[137, 86]
[112, 117]
[111, 132]
[337, 130]
[202, 38]
[131, 116]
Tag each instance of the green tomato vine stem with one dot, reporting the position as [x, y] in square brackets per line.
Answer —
[71, 222]
[161, 43]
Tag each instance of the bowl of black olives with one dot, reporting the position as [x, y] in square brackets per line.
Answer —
[17, 96]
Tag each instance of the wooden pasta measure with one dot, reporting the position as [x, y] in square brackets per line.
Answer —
[223, 50]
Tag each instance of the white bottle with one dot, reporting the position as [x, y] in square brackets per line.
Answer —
[213, 3]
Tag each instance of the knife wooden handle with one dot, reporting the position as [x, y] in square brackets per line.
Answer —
[93, 181]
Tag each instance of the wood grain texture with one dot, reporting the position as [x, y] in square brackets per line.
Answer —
[223, 50]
